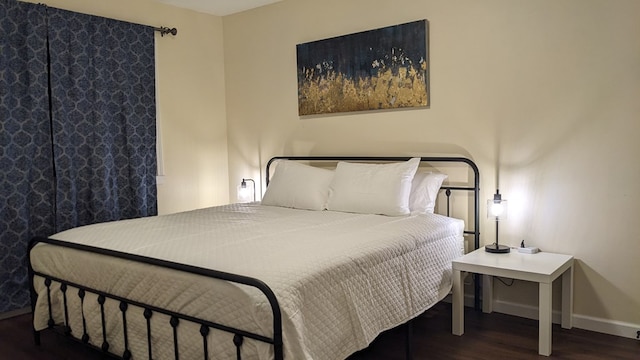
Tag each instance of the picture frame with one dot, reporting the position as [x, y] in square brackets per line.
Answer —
[385, 68]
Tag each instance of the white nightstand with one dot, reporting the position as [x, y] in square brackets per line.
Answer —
[541, 267]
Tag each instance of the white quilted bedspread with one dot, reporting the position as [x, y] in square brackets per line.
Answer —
[340, 278]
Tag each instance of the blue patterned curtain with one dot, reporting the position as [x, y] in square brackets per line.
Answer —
[26, 178]
[77, 129]
[103, 111]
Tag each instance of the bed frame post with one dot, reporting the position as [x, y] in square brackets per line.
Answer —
[32, 291]
[409, 336]
[476, 235]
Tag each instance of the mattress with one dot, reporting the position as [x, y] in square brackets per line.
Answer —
[340, 278]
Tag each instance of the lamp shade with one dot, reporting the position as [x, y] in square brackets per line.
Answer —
[246, 194]
[497, 208]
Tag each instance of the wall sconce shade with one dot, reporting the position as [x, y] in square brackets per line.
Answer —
[244, 194]
[497, 210]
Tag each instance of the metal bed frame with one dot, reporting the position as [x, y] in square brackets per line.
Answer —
[206, 325]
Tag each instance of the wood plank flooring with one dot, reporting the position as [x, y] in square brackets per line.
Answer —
[487, 336]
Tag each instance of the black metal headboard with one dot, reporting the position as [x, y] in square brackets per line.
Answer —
[472, 187]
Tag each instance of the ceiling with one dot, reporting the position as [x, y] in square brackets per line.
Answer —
[218, 7]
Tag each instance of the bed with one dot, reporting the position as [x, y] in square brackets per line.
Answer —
[316, 270]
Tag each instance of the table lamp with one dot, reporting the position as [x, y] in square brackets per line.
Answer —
[497, 210]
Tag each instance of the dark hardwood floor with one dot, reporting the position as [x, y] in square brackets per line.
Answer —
[487, 336]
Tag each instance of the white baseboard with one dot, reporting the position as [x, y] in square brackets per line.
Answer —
[619, 328]
[13, 313]
[605, 326]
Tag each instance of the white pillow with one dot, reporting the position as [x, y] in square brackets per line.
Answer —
[298, 186]
[372, 188]
[424, 191]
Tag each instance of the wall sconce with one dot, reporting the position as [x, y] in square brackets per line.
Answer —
[244, 195]
[497, 210]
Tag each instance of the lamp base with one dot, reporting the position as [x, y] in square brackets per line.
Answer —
[497, 249]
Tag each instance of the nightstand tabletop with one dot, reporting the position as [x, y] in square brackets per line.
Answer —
[541, 266]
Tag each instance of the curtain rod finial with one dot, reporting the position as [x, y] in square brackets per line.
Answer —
[165, 30]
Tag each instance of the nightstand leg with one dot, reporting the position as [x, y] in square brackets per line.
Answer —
[544, 330]
[487, 294]
[457, 325]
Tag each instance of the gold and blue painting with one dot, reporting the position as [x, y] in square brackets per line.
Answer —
[385, 68]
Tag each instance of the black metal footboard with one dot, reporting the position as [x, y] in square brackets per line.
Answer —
[127, 305]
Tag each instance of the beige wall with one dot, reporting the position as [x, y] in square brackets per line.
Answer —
[544, 91]
[542, 94]
[190, 97]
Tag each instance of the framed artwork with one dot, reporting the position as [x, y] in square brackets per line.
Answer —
[385, 68]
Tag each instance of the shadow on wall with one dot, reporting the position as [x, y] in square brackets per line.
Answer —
[588, 284]
[348, 145]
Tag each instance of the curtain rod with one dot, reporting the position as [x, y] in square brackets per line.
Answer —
[165, 30]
